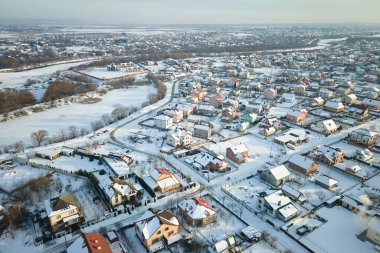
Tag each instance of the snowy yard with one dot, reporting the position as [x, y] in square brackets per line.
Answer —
[79, 115]
[71, 164]
[21, 174]
[341, 224]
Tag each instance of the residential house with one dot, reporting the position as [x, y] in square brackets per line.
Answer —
[157, 226]
[231, 103]
[372, 104]
[350, 99]
[277, 204]
[316, 102]
[297, 116]
[249, 117]
[163, 121]
[302, 164]
[186, 109]
[63, 212]
[334, 106]
[326, 93]
[255, 108]
[276, 176]
[242, 126]
[216, 101]
[363, 154]
[203, 160]
[238, 154]
[327, 126]
[328, 155]
[162, 180]
[207, 110]
[197, 211]
[229, 114]
[270, 94]
[288, 97]
[54, 153]
[202, 131]
[268, 131]
[363, 137]
[326, 182]
[300, 89]
[179, 138]
[176, 115]
[359, 112]
[118, 191]
[293, 136]
[90, 243]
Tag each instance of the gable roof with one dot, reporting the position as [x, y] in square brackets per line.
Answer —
[64, 201]
[301, 161]
[279, 172]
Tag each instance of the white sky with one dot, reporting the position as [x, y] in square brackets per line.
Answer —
[191, 11]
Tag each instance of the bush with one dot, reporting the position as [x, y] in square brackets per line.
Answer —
[102, 172]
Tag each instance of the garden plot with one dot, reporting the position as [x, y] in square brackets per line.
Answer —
[142, 138]
[10, 179]
[248, 191]
[72, 164]
[226, 224]
[304, 225]
[261, 247]
[344, 181]
[92, 206]
[341, 226]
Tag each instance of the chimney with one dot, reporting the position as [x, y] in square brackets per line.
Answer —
[96, 240]
[279, 203]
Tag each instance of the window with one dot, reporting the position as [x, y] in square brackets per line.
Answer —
[71, 211]
[58, 217]
[167, 228]
[116, 200]
[158, 232]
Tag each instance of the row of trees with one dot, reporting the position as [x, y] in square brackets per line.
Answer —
[160, 86]
[15, 99]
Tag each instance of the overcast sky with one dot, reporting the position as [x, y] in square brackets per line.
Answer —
[191, 11]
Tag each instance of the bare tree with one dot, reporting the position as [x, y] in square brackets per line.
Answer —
[39, 137]
[96, 125]
[19, 146]
[83, 131]
[106, 119]
[72, 132]
[61, 136]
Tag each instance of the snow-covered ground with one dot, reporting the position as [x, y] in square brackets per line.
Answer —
[79, 115]
[341, 223]
[18, 79]
[103, 73]
[10, 179]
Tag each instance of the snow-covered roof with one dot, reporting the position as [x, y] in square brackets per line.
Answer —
[301, 161]
[152, 221]
[196, 208]
[241, 148]
[202, 127]
[277, 199]
[279, 172]
[333, 104]
[325, 180]
[366, 132]
[288, 211]
[329, 125]
[162, 117]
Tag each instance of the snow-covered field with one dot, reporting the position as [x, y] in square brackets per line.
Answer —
[79, 115]
[18, 79]
[103, 73]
